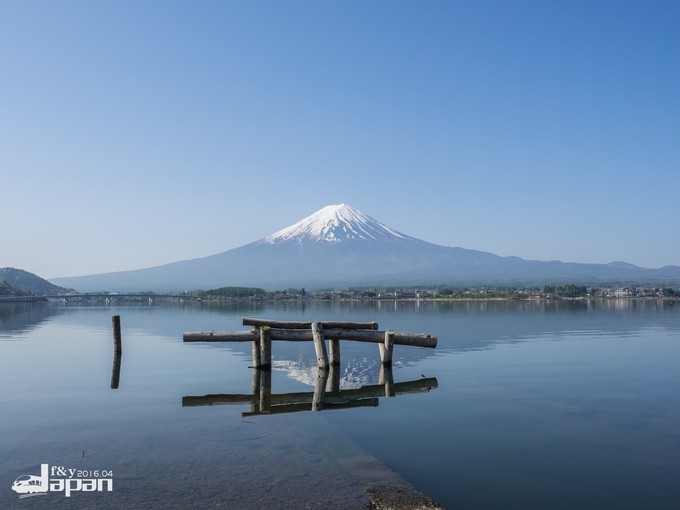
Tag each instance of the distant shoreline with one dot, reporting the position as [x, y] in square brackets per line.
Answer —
[218, 300]
[443, 300]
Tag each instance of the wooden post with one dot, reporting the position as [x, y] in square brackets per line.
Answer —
[319, 389]
[320, 346]
[386, 348]
[265, 347]
[334, 379]
[257, 360]
[117, 340]
[255, 404]
[115, 374]
[335, 351]
[265, 391]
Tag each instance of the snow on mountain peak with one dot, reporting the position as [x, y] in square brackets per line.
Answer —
[335, 223]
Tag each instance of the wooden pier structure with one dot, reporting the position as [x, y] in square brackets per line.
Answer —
[263, 332]
[327, 393]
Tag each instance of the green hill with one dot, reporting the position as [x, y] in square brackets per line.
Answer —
[27, 282]
[7, 290]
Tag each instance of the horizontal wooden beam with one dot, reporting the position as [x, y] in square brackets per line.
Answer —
[301, 335]
[222, 336]
[308, 325]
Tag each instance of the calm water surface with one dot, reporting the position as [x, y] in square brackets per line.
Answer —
[537, 405]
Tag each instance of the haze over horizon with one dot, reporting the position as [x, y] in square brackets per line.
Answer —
[140, 133]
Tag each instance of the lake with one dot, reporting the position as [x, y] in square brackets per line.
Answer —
[536, 405]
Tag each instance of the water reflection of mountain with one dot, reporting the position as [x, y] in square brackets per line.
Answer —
[478, 325]
[19, 318]
[354, 372]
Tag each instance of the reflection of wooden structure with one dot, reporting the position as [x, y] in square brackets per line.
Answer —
[115, 372]
[264, 331]
[326, 395]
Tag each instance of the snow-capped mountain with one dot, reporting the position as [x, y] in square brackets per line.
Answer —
[334, 224]
[339, 246]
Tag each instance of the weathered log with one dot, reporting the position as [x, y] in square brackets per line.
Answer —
[117, 338]
[319, 390]
[334, 345]
[301, 335]
[308, 325]
[221, 336]
[265, 347]
[386, 348]
[257, 357]
[417, 339]
[319, 345]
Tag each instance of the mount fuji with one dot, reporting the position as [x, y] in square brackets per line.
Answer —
[335, 224]
[339, 246]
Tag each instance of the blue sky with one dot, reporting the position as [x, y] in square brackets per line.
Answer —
[138, 133]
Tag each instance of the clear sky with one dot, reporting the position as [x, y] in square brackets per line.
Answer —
[138, 133]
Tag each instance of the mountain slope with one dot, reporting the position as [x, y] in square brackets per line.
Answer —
[28, 282]
[8, 290]
[340, 246]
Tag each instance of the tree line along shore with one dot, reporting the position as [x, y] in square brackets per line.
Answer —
[569, 291]
[438, 293]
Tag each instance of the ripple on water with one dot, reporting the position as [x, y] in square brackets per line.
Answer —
[229, 430]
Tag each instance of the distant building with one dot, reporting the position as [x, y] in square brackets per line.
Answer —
[405, 294]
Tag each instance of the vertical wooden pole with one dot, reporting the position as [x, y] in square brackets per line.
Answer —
[256, 387]
[117, 340]
[265, 391]
[265, 347]
[386, 348]
[335, 351]
[257, 361]
[334, 379]
[319, 390]
[320, 345]
[115, 374]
